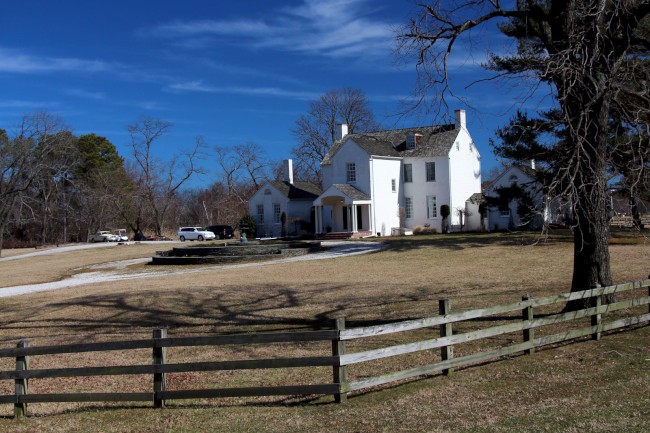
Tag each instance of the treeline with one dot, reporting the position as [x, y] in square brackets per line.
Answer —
[57, 187]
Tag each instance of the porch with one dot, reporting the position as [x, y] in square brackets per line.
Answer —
[347, 209]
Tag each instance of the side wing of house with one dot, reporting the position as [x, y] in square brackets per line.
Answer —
[266, 206]
[464, 176]
[508, 218]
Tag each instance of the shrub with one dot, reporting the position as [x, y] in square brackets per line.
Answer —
[248, 224]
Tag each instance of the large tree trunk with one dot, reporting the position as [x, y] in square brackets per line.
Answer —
[589, 183]
[591, 247]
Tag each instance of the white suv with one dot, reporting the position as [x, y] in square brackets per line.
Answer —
[194, 234]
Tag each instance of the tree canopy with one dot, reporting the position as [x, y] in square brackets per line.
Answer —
[316, 130]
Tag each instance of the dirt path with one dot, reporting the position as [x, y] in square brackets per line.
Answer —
[117, 271]
[67, 248]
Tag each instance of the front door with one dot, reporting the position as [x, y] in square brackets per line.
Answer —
[359, 218]
[345, 218]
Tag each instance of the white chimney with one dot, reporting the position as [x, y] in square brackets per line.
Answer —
[461, 122]
[288, 171]
[340, 131]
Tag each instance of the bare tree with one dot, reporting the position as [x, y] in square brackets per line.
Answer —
[316, 131]
[593, 54]
[255, 163]
[50, 185]
[243, 168]
[23, 158]
[156, 180]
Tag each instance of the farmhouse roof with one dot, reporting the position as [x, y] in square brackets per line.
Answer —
[434, 141]
[351, 191]
[297, 190]
[527, 170]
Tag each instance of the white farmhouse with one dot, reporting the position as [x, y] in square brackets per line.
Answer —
[294, 199]
[376, 182]
[537, 211]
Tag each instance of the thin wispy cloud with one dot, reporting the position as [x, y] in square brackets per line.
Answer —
[235, 70]
[97, 96]
[336, 29]
[13, 103]
[20, 62]
[201, 87]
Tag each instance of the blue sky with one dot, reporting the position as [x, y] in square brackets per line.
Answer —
[232, 72]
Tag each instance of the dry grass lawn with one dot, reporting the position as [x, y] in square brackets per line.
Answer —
[589, 386]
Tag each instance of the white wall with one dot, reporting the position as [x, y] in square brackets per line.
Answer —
[465, 175]
[473, 219]
[349, 152]
[326, 174]
[386, 203]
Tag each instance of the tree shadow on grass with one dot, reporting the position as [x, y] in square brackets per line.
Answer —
[461, 241]
[198, 311]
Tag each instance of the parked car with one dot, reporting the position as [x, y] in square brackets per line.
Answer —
[194, 234]
[221, 232]
[121, 235]
[103, 236]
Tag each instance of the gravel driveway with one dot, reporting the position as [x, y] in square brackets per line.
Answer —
[114, 271]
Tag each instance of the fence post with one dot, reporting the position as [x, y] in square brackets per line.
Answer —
[22, 364]
[596, 319]
[528, 314]
[159, 358]
[340, 374]
[446, 330]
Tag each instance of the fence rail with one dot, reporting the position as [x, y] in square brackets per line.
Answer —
[339, 360]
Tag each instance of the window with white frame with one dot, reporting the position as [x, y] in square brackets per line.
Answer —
[504, 212]
[431, 171]
[351, 172]
[260, 214]
[393, 185]
[432, 207]
[408, 207]
[276, 213]
[408, 172]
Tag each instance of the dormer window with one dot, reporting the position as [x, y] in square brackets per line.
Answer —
[412, 139]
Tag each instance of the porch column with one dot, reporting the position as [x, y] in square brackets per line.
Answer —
[318, 213]
[371, 220]
[350, 218]
[354, 218]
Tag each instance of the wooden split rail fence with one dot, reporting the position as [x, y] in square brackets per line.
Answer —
[339, 360]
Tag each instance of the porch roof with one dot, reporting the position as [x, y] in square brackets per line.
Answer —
[349, 193]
